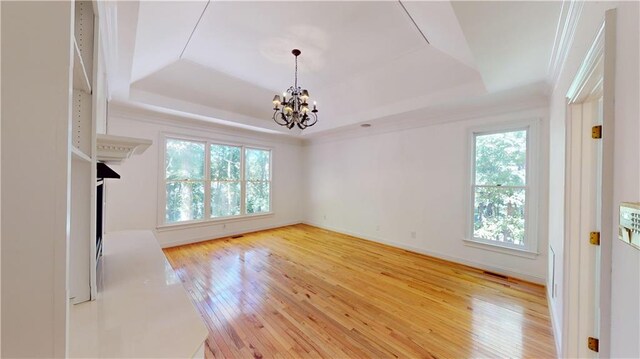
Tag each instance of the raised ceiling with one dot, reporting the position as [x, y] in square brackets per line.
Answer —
[361, 61]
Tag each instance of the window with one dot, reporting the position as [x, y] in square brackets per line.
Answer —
[205, 180]
[226, 180]
[501, 188]
[258, 184]
[184, 177]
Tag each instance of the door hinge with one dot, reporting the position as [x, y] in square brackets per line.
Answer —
[596, 132]
[594, 238]
[593, 344]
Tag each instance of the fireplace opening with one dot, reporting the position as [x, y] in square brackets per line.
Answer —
[103, 172]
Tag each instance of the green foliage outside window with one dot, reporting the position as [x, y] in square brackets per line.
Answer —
[500, 186]
[184, 171]
[258, 180]
[225, 180]
[185, 182]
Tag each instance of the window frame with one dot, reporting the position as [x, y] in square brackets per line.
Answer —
[208, 220]
[530, 247]
[164, 180]
[244, 179]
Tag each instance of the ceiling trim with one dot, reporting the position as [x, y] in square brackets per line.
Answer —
[179, 107]
[565, 32]
[415, 119]
[150, 114]
[590, 69]
[414, 22]
[465, 91]
[194, 28]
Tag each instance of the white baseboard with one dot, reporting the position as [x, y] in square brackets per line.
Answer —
[492, 268]
[182, 242]
[557, 335]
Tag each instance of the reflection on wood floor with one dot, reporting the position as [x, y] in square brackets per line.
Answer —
[301, 291]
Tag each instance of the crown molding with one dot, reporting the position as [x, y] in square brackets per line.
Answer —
[565, 32]
[505, 106]
[590, 70]
[159, 116]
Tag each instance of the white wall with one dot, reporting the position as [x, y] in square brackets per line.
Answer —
[0, 189]
[625, 274]
[383, 186]
[132, 201]
[345, 182]
[35, 164]
[625, 277]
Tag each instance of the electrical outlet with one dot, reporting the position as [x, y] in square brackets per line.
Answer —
[377, 228]
[324, 217]
[413, 235]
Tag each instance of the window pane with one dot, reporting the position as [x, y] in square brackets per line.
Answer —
[184, 160]
[185, 201]
[225, 162]
[257, 165]
[225, 199]
[257, 197]
[499, 214]
[501, 158]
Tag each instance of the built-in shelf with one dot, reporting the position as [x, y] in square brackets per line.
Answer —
[78, 154]
[113, 148]
[80, 77]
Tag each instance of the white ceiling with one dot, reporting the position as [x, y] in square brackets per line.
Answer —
[513, 48]
[361, 61]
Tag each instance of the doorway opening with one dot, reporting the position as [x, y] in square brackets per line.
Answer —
[589, 200]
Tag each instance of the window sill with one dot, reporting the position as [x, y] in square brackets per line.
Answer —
[212, 221]
[501, 249]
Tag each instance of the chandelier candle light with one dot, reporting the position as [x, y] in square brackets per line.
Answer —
[295, 110]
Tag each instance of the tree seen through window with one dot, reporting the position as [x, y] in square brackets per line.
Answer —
[500, 190]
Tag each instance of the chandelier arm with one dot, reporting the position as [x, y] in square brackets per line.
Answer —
[286, 118]
[277, 116]
[315, 119]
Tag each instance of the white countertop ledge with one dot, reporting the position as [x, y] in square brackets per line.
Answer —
[142, 309]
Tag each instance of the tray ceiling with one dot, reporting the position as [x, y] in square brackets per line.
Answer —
[360, 60]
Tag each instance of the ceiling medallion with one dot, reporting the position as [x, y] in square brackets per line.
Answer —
[295, 109]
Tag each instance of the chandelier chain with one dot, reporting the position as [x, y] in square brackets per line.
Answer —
[296, 74]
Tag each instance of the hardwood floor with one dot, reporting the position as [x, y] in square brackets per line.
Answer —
[301, 291]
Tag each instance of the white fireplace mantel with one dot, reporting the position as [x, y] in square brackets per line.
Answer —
[115, 149]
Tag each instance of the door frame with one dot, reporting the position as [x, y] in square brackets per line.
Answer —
[596, 71]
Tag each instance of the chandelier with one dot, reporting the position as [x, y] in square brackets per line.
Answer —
[295, 109]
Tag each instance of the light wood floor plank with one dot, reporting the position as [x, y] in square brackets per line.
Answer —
[301, 291]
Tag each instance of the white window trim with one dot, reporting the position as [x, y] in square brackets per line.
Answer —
[162, 225]
[530, 249]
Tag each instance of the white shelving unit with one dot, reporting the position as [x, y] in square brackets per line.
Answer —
[79, 155]
[87, 91]
[80, 77]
